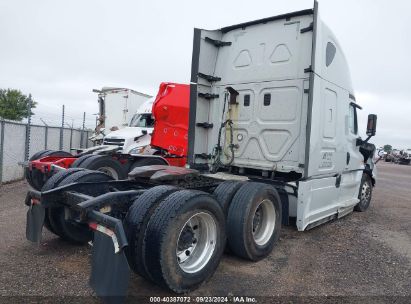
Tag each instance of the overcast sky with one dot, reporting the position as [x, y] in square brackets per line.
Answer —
[60, 50]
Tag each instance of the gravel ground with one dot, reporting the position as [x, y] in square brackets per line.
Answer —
[364, 257]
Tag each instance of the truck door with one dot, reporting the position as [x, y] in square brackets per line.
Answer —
[351, 176]
[319, 193]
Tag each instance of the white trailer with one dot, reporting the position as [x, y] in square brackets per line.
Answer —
[116, 108]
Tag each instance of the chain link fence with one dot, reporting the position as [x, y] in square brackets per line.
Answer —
[19, 141]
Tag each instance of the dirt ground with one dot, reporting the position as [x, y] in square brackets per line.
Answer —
[364, 257]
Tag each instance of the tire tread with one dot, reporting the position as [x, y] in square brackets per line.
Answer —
[155, 236]
[238, 214]
[136, 221]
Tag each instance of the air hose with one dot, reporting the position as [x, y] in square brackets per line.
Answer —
[216, 157]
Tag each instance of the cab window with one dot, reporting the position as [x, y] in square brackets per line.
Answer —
[142, 121]
[352, 119]
[330, 53]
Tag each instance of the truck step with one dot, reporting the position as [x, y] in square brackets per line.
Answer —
[209, 78]
[208, 95]
[217, 43]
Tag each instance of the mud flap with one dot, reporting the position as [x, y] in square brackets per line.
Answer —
[35, 221]
[110, 272]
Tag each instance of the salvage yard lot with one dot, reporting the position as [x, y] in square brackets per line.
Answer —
[364, 254]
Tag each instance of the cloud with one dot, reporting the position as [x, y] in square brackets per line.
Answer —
[393, 123]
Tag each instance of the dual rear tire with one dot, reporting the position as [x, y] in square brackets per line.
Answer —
[177, 237]
[112, 166]
[103, 163]
[253, 217]
[254, 221]
[55, 218]
[36, 178]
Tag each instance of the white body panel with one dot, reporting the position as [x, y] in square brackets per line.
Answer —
[264, 59]
[133, 139]
[126, 138]
[335, 164]
[120, 106]
[319, 200]
[294, 113]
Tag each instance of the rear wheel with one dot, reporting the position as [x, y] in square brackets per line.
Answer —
[365, 194]
[254, 221]
[35, 156]
[225, 193]
[68, 229]
[135, 224]
[78, 161]
[52, 183]
[184, 240]
[37, 179]
[103, 163]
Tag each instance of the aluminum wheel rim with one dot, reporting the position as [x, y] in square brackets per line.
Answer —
[196, 242]
[109, 171]
[263, 222]
[365, 193]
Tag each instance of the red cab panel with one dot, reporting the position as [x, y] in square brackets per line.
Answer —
[170, 110]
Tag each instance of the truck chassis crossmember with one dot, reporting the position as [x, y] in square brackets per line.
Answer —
[71, 196]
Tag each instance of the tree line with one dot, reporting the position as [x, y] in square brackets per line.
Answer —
[14, 105]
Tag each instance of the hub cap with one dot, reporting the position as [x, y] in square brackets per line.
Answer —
[196, 242]
[263, 222]
[365, 193]
[109, 171]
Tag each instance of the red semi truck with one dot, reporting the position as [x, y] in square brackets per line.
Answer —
[168, 144]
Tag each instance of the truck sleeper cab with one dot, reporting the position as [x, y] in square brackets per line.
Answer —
[283, 90]
[272, 136]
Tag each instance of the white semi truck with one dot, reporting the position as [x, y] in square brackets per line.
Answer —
[116, 108]
[272, 136]
[135, 137]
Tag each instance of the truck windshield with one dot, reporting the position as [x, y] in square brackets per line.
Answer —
[142, 121]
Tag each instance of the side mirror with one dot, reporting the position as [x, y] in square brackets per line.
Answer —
[371, 125]
[371, 129]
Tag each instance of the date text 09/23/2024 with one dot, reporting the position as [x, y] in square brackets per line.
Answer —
[203, 299]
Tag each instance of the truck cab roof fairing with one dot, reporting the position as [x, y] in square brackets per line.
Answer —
[274, 57]
[268, 19]
[337, 71]
[263, 53]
